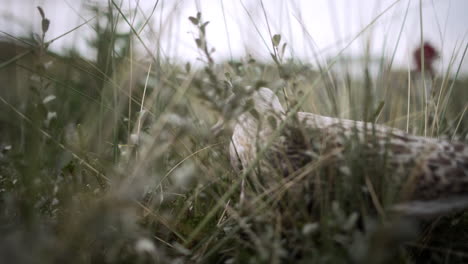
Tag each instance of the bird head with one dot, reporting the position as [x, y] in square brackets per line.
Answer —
[261, 104]
[266, 102]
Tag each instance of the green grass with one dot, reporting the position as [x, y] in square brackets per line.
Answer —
[119, 164]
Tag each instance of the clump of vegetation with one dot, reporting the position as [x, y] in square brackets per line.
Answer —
[113, 160]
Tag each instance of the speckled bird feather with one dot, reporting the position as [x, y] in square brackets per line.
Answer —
[426, 169]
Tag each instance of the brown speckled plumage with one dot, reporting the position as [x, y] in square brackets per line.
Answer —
[426, 169]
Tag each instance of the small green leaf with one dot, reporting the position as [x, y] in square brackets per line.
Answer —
[193, 20]
[276, 40]
[199, 42]
[203, 28]
[45, 25]
[41, 12]
[249, 103]
[378, 111]
[272, 121]
[260, 83]
[273, 56]
[205, 24]
[283, 48]
[255, 114]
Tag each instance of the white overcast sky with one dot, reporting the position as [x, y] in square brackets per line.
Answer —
[238, 27]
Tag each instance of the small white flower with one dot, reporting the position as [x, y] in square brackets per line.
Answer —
[144, 245]
[309, 228]
[51, 115]
[182, 249]
[175, 119]
[48, 64]
[183, 175]
[48, 99]
[35, 78]
[55, 201]
[345, 170]
[134, 138]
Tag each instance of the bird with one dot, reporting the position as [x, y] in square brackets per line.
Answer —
[268, 141]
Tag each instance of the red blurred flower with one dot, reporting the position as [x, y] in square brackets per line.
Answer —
[430, 55]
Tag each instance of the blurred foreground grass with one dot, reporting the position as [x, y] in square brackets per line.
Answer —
[114, 160]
